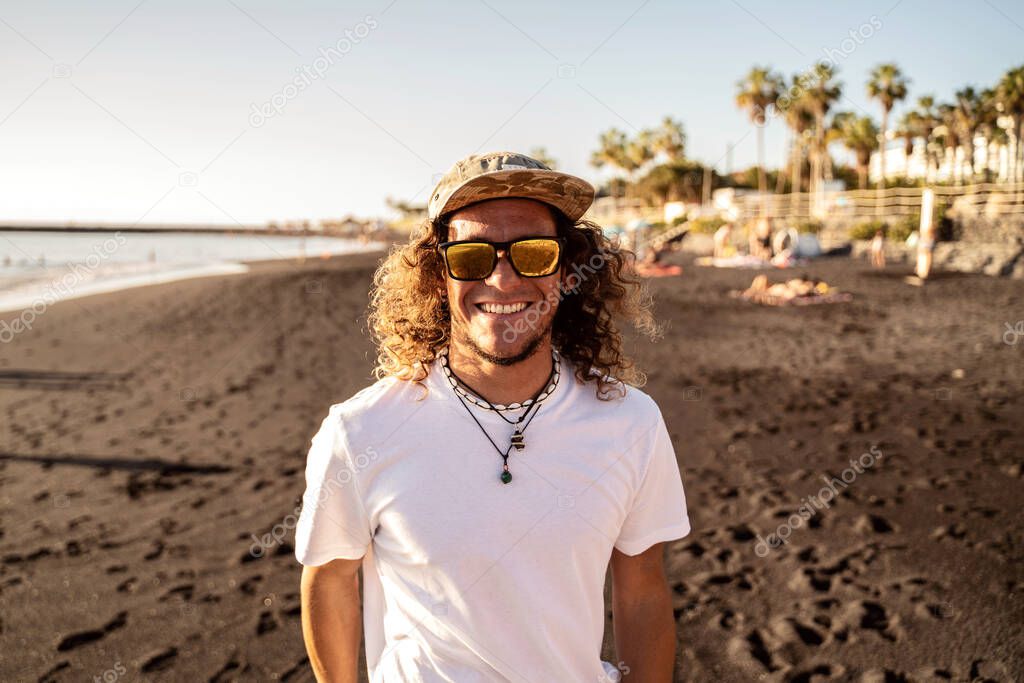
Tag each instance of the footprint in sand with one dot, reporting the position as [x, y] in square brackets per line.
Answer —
[159, 661]
[297, 671]
[751, 651]
[50, 675]
[250, 584]
[129, 585]
[786, 643]
[860, 616]
[266, 623]
[226, 672]
[869, 524]
[85, 637]
[816, 673]
[184, 591]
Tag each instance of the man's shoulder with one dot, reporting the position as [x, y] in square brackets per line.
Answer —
[621, 399]
[388, 400]
[382, 396]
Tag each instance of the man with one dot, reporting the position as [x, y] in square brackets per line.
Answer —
[926, 241]
[501, 465]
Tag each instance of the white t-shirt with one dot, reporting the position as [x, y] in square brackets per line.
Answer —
[469, 579]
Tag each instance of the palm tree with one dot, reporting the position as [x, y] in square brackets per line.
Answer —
[1010, 99]
[909, 128]
[949, 133]
[967, 119]
[988, 128]
[859, 135]
[800, 119]
[611, 151]
[887, 85]
[640, 151]
[819, 95]
[755, 93]
[669, 139]
[928, 119]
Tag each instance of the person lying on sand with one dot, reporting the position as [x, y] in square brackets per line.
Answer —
[801, 290]
[495, 471]
[786, 290]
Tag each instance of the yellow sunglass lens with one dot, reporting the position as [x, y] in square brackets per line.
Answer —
[535, 258]
[470, 261]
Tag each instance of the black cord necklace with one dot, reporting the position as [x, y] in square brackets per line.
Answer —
[517, 440]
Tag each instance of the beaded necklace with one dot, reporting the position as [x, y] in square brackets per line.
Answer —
[517, 440]
[549, 387]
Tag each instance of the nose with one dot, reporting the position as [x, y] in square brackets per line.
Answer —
[504, 275]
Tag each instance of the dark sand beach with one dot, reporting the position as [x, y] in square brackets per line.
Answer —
[151, 437]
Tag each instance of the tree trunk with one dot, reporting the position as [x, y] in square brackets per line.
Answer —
[780, 179]
[988, 159]
[1011, 149]
[929, 157]
[814, 178]
[1018, 125]
[881, 147]
[969, 154]
[762, 182]
[798, 163]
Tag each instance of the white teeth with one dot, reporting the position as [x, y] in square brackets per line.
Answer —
[504, 308]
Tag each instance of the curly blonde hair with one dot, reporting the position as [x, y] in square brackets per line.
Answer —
[411, 322]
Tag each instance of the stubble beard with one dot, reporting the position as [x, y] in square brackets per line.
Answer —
[462, 336]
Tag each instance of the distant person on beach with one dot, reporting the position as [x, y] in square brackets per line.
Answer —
[925, 247]
[504, 460]
[878, 249]
[722, 239]
[761, 239]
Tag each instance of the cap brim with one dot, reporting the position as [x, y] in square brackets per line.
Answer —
[567, 193]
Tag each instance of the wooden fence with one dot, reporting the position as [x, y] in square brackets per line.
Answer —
[991, 200]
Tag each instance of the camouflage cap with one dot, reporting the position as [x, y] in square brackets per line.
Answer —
[499, 175]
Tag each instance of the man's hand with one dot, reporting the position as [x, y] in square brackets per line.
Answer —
[645, 630]
[332, 620]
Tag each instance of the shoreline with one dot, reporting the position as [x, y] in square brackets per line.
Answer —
[43, 292]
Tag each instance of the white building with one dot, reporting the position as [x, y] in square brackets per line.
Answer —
[951, 165]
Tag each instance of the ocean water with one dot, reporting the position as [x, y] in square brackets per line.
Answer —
[41, 268]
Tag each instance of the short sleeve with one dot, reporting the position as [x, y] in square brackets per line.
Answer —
[659, 507]
[333, 523]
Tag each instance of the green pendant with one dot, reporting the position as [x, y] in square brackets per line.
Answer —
[506, 477]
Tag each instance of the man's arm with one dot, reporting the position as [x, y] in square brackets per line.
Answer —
[645, 630]
[332, 620]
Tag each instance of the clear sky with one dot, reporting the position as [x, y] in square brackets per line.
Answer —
[125, 110]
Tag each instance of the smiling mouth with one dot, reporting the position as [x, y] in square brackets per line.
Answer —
[503, 309]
